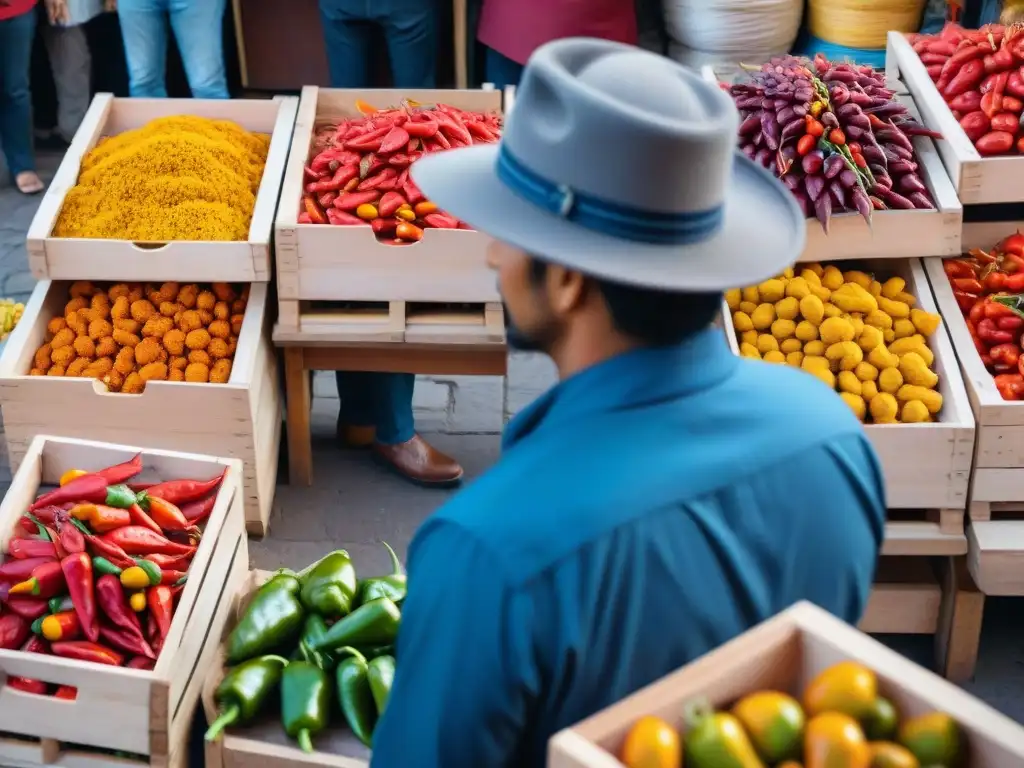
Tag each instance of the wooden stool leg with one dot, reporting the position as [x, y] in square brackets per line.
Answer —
[959, 632]
[299, 396]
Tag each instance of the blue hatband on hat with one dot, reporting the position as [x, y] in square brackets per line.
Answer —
[607, 218]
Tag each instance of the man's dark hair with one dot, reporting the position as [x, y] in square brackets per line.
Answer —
[656, 318]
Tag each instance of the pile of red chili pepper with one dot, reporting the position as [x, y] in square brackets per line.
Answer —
[989, 289]
[359, 171]
[94, 568]
[980, 74]
[834, 134]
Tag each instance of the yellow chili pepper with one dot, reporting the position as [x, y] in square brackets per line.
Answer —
[816, 108]
[367, 211]
[137, 601]
[405, 213]
[135, 578]
[72, 474]
[424, 208]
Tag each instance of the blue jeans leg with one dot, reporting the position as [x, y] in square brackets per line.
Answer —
[144, 31]
[410, 30]
[501, 70]
[347, 39]
[16, 35]
[199, 29]
[383, 400]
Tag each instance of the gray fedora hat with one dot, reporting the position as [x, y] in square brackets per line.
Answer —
[623, 165]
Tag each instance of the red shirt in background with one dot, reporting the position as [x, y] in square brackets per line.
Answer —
[516, 28]
[11, 8]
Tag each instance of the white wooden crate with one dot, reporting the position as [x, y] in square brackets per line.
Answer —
[976, 179]
[892, 234]
[142, 712]
[997, 486]
[61, 258]
[264, 742]
[320, 262]
[785, 653]
[986, 234]
[927, 466]
[240, 419]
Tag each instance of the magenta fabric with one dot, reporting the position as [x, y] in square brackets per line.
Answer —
[516, 28]
[13, 8]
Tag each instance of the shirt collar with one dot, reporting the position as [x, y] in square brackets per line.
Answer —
[633, 378]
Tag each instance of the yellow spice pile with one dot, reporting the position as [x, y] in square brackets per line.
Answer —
[176, 178]
[129, 333]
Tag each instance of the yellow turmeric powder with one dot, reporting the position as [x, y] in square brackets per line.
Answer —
[176, 178]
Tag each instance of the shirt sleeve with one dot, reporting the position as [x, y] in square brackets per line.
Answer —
[457, 698]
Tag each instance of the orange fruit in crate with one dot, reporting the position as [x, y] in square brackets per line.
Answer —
[846, 687]
[774, 721]
[652, 743]
[835, 740]
[885, 754]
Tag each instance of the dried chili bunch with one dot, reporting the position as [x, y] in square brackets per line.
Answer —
[834, 134]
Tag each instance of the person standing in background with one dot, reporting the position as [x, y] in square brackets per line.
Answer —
[71, 63]
[198, 30]
[376, 408]
[511, 30]
[17, 30]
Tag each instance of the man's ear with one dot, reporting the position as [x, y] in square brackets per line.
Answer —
[567, 289]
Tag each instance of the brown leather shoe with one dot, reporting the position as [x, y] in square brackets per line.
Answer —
[418, 461]
[356, 437]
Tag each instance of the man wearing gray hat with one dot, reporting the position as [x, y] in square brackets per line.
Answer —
[666, 495]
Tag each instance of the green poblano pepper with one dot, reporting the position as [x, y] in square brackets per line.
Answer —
[375, 623]
[393, 586]
[381, 674]
[244, 690]
[355, 696]
[305, 702]
[330, 587]
[272, 621]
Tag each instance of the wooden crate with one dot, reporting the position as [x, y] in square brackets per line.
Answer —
[927, 466]
[396, 322]
[240, 419]
[142, 712]
[976, 179]
[784, 653]
[60, 258]
[929, 596]
[317, 262]
[996, 535]
[265, 743]
[892, 234]
[986, 234]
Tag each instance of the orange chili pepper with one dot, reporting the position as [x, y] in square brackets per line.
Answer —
[837, 137]
[814, 128]
[806, 144]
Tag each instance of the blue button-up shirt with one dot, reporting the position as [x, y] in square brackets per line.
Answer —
[643, 512]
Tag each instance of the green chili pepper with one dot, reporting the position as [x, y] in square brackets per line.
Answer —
[283, 578]
[244, 690]
[104, 566]
[151, 569]
[120, 496]
[37, 626]
[375, 623]
[393, 586]
[381, 673]
[355, 695]
[305, 702]
[60, 604]
[273, 620]
[315, 629]
[329, 589]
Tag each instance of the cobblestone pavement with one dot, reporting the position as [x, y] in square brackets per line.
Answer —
[354, 503]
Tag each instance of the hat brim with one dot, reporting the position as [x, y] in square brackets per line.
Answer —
[764, 230]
